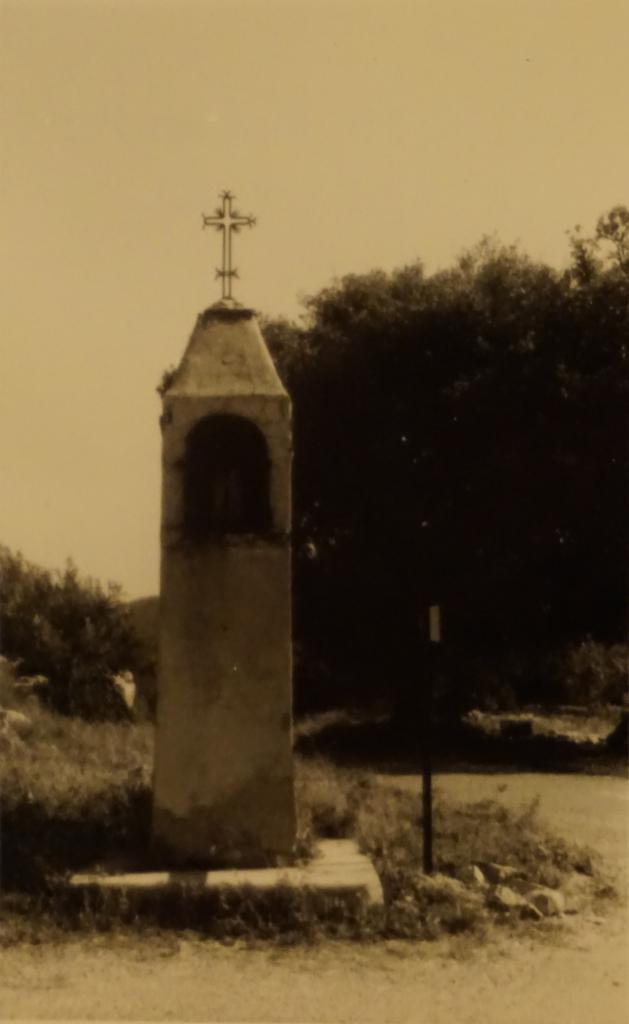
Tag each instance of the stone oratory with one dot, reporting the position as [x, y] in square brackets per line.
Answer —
[224, 787]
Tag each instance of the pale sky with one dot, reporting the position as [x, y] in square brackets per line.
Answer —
[360, 134]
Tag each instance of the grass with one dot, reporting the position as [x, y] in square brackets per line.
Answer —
[76, 793]
[71, 793]
[386, 822]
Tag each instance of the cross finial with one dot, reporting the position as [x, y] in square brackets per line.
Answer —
[226, 219]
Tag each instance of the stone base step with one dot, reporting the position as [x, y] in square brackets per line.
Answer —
[337, 869]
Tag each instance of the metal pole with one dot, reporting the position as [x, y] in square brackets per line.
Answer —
[427, 808]
[434, 634]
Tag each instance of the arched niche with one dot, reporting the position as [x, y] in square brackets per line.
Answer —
[226, 478]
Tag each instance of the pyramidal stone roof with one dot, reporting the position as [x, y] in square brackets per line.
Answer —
[226, 355]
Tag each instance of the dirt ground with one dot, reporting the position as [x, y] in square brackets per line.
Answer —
[569, 974]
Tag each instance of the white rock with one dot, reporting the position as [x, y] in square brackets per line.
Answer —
[549, 902]
[506, 899]
[472, 875]
[125, 685]
[531, 911]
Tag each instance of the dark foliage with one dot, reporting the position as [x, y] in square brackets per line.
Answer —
[69, 630]
[461, 439]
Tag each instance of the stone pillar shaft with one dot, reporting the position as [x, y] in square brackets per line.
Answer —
[223, 790]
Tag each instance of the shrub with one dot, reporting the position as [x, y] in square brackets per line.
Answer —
[69, 630]
[591, 673]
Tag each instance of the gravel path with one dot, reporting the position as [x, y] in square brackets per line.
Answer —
[574, 976]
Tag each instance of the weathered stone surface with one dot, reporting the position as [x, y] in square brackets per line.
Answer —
[338, 869]
[549, 902]
[224, 789]
[226, 357]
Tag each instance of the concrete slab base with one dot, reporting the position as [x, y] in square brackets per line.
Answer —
[337, 869]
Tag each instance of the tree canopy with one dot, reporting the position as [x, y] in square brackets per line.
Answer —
[460, 439]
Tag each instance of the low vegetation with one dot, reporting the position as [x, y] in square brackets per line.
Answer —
[72, 793]
[78, 793]
[71, 631]
[386, 822]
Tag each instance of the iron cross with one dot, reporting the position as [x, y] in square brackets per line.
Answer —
[226, 219]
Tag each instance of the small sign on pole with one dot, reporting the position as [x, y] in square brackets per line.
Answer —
[434, 624]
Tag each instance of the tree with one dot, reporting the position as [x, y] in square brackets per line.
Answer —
[70, 630]
[460, 439]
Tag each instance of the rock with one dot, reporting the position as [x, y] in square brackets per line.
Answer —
[15, 722]
[540, 903]
[504, 898]
[125, 685]
[499, 873]
[549, 902]
[472, 875]
[530, 910]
